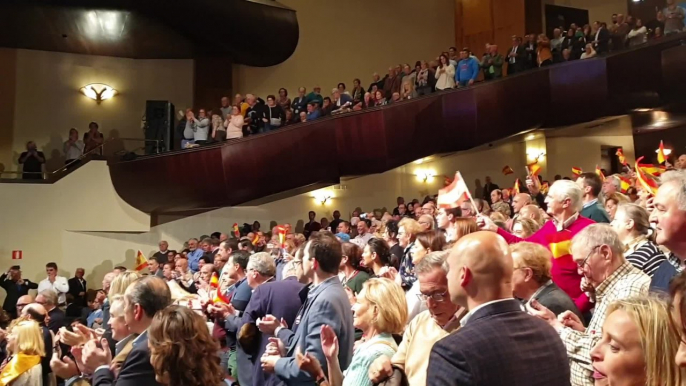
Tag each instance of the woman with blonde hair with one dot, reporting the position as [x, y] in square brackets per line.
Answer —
[525, 227]
[380, 312]
[638, 345]
[632, 224]
[121, 282]
[182, 350]
[407, 91]
[25, 348]
[612, 201]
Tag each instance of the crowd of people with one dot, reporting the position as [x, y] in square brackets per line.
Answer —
[585, 277]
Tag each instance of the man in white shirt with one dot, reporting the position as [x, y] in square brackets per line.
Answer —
[57, 284]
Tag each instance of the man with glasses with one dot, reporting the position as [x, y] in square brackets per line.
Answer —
[22, 302]
[15, 287]
[599, 256]
[428, 327]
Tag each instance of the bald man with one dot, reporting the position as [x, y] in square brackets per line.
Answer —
[531, 211]
[22, 302]
[519, 201]
[498, 343]
[38, 313]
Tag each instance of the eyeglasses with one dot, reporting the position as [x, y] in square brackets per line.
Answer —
[437, 297]
[583, 263]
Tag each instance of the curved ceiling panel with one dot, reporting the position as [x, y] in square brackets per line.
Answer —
[255, 33]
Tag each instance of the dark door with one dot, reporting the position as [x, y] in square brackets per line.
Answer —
[556, 16]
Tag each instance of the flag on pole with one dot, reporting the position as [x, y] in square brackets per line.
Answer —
[625, 183]
[255, 239]
[507, 170]
[661, 158]
[141, 261]
[533, 168]
[282, 235]
[515, 189]
[545, 187]
[620, 155]
[655, 171]
[648, 183]
[454, 194]
[214, 281]
[576, 170]
[236, 231]
[599, 172]
[219, 297]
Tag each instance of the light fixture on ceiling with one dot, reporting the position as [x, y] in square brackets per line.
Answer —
[98, 92]
[425, 175]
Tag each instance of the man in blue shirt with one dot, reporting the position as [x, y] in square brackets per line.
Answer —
[313, 111]
[194, 255]
[467, 70]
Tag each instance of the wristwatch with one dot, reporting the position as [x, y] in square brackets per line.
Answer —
[320, 379]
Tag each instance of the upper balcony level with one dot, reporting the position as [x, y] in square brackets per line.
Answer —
[306, 156]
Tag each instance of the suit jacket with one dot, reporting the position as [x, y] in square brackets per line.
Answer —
[500, 345]
[327, 304]
[75, 288]
[136, 369]
[557, 300]
[488, 188]
[13, 292]
[278, 298]
[602, 46]
[57, 320]
[595, 212]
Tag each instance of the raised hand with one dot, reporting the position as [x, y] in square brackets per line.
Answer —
[329, 342]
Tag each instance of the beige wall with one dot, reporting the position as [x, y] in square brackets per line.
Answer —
[47, 101]
[598, 10]
[8, 71]
[343, 40]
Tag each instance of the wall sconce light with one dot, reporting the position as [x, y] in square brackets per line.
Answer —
[98, 92]
[322, 198]
[535, 154]
[667, 151]
[425, 175]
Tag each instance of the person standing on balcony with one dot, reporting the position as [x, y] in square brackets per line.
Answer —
[544, 57]
[674, 18]
[234, 124]
[516, 59]
[73, 147]
[33, 161]
[445, 74]
[602, 38]
[492, 63]
[93, 138]
[201, 127]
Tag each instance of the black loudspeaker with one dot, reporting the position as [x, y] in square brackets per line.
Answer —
[159, 126]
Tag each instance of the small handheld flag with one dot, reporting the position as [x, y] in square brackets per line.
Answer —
[507, 170]
[515, 189]
[599, 172]
[141, 261]
[454, 194]
[236, 231]
[576, 170]
[282, 235]
[255, 239]
[545, 187]
[620, 155]
[652, 170]
[648, 183]
[219, 297]
[214, 281]
[661, 158]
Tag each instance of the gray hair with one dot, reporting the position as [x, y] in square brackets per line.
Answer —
[678, 179]
[565, 189]
[289, 270]
[263, 263]
[117, 306]
[614, 179]
[595, 235]
[50, 297]
[432, 261]
[151, 293]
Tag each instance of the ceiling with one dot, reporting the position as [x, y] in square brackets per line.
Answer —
[255, 33]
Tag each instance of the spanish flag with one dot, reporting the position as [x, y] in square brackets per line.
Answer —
[141, 261]
[533, 168]
[661, 158]
[507, 170]
[255, 239]
[599, 173]
[282, 234]
[625, 183]
[620, 155]
[544, 188]
[219, 297]
[576, 170]
[454, 194]
[655, 171]
[515, 189]
[648, 183]
[236, 231]
[214, 281]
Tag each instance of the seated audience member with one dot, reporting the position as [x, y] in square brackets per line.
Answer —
[498, 344]
[589, 52]
[638, 345]
[591, 186]
[341, 100]
[564, 203]
[38, 314]
[376, 256]
[25, 348]
[632, 224]
[56, 317]
[73, 147]
[611, 203]
[441, 318]
[354, 274]
[379, 312]
[313, 111]
[531, 279]
[327, 107]
[669, 217]
[598, 253]
[525, 227]
[426, 222]
[120, 331]
[182, 351]
[155, 267]
[234, 124]
[328, 305]
[33, 161]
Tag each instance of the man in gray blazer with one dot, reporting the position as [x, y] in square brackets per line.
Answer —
[324, 303]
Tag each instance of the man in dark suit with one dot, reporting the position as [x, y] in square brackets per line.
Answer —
[162, 256]
[78, 287]
[48, 299]
[488, 188]
[516, 57]
[326, 304]
[15, 287]
[602, 38]
[532, 280]
[498, 343]
[143, 299]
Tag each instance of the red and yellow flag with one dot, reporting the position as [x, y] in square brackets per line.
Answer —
[620, 155]
[576, 170]
[141, 261]
[533, 168]
[282, 235]
[599, 172]
[219, 297]
[515, 189]
[545, 187]
[655, 171]
[507, 170]
[661, 158]
[236, 231]
[255, 239]
[454, 194]
[648, 183]
[625, 183]
[214, 281]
